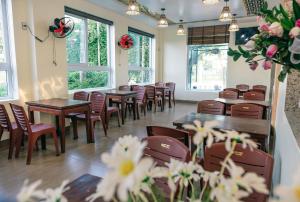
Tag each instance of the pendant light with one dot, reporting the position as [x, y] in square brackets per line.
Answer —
[133, 8]
[234, 27]
[210, 2]
[163, 22]
[226, 13]
[180, 30]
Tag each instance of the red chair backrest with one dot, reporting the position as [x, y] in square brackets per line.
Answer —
[247, 111]
[171, 86]
[260, 87]
[252, 95]
[181, 135]
[228, 95]
[81, 95]
[231, 89]
[211, 107]
[160, 83]
[163, 148]
[150, 91]
[255, 161]
[98, 100]
[242, 87]
[4, 118]
[141, 92]
[21, 118]
[124, 87]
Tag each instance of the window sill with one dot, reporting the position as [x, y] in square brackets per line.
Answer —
[203, 91]
[8, 100]
[70, 92]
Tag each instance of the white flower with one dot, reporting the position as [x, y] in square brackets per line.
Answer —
[294, 32]
[276, 29]
[242, 138]
[289, 193]
[249, 181]
[254, 37]
[54, 195]
[211, 177]
[30, 193]
[250, 45]
[126, 169]
[205, 131]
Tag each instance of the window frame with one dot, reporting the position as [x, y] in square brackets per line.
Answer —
[7, 66]
[85, 66]
[151, 67]
[188, 73]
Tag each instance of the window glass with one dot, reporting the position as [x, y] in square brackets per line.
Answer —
[87, 79]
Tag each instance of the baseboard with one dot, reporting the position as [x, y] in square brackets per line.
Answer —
[187, 101]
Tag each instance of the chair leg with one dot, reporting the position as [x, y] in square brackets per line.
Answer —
[104, 127]
[31, 143]
[54, 135]
[145, 109]
[173, 98]
[137, 111]
[155, 103]
[1, 132]
[18, 144]
[119, 117]
[75, 129]
[107, 120]
[11, 143]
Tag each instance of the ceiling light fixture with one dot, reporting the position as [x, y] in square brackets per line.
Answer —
[133, 8]
[210, 2]
[163, 22]
[180, 30]
[226, 13]
[234, 27]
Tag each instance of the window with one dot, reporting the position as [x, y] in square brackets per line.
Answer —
[6, 75]
[88, 52]
[140, 58]
[207, 67]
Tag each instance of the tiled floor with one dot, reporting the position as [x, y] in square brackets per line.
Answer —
[80, 158]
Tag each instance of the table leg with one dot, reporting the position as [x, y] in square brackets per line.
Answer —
[170, 105]
[89, 132]
[123, 109]
[61, 126]
[134, 108]
[163, 100]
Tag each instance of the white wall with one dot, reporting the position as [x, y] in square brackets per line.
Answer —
[175, 65]
[38, 77]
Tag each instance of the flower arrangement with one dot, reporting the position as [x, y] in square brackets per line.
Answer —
[131, 177]
[278, 40]
[126, 42]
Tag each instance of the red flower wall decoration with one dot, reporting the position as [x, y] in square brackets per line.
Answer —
[126, 42]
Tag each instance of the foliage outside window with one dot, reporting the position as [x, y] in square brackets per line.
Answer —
[207, 67]
[5, 64]
[140, 59]
[88, 54]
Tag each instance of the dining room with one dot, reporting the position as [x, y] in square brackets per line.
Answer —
[139, 100]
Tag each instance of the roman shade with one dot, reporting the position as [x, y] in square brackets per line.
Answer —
[217, 34]
[140, 32]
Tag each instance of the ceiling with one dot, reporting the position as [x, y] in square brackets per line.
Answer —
[188, 10]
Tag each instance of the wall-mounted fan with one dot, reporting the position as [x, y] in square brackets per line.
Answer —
[62, 27]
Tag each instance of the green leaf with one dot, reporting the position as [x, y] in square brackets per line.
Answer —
[296, 8]
[282, 76]
[236, 57]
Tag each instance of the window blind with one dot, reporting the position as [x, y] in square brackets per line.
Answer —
[217, 34]
[87, 15]
[140, 32]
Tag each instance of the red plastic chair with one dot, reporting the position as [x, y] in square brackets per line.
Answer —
[211, 107]
[34, 131]
[152, 97]
[260, 87]
[140, 100]
[255, 161]
[15, 134]
[98, 101]
[247, 111]
[160, 84]
[228, 95]
[172, 87]
[231, 89]
[254, 95]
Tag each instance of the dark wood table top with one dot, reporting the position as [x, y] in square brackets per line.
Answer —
[82, 187]
[57, 103]
[120, 92]
[252, 126]
[241, 101]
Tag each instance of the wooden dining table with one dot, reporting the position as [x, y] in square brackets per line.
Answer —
[60, 108]
[258, 129]
[265, 104]
[123, 96]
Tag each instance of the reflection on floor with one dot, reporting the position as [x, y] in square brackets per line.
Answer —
[80, 158]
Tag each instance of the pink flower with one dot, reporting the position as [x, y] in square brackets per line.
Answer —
[276, 29]
[264, 28]
[253, 65]
[267, 64]
[272, 50]
[298, 23]
[294, 32]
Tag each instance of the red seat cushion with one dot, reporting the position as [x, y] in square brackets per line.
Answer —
[41, 127]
